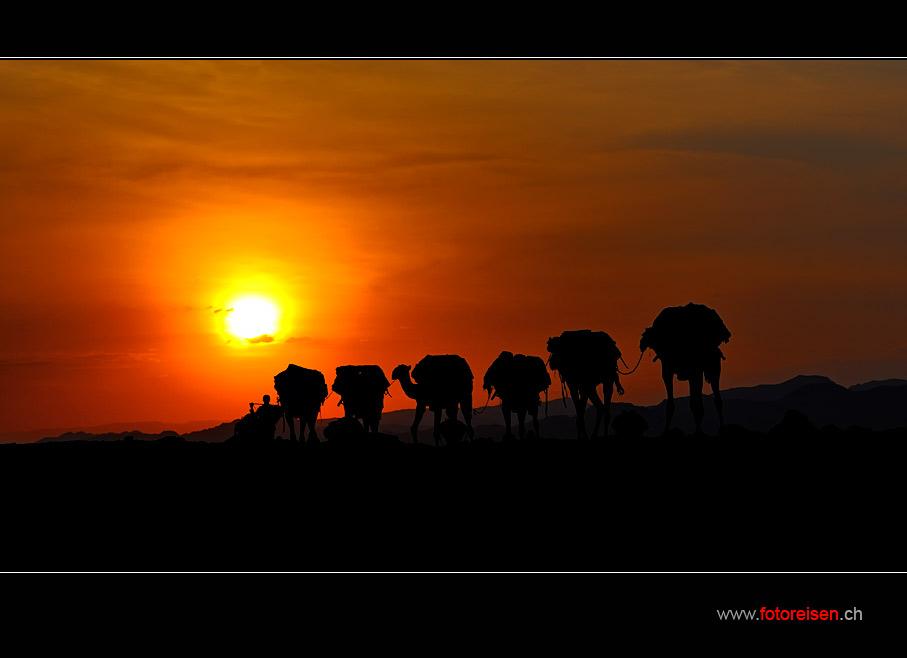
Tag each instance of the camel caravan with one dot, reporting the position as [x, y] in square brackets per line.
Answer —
[686, 339]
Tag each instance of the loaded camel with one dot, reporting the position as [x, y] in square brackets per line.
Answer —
[302, 392]
[442, 382]
[686, 339]
[362, 390]
[584, 359]
[518, 380]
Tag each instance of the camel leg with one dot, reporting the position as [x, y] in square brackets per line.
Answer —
[414, 430]
[292, 423]
[521, 417]
[310, 421]
[376, 420]
[437, 431]
[508, 428]
[466, 407]
[599, 412]
[579, 403]
[607, 394]
[714, 377]
[696, 405]
[668, 377]
[534, 412]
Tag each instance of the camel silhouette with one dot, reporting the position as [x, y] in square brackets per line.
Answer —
[442, 382]
[584, 359]
[686, 339]
[302, 392]
[362, 390]
[517, 380]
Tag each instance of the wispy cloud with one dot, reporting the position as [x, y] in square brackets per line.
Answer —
[815, 148]
[80, 360]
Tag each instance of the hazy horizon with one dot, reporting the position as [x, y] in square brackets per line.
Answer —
[331, 412]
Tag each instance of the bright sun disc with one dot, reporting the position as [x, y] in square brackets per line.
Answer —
[252, 317]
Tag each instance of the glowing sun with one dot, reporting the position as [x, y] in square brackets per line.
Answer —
[252, 317]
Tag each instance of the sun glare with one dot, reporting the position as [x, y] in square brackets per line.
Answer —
[249, 318]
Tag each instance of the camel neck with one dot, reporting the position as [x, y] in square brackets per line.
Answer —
[410, 388]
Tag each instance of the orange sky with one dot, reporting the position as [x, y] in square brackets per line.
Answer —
[398, 208]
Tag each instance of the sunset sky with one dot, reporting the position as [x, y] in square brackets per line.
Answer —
[392, 209]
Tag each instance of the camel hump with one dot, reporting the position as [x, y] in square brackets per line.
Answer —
[298, 382]
[360, 379]
[690, 327]
[514, 372]
[443, 370]
[583, 348]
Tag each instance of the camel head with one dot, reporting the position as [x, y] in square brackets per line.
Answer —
[400, 372]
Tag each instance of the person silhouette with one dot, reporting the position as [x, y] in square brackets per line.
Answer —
[265, 402]
[266, 415]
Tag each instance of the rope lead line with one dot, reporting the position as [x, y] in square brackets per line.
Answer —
[476, 412]
[634, 367]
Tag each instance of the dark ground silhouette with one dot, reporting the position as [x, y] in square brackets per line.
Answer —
[796, 498]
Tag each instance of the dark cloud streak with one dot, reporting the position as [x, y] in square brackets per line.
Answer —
[818, 149]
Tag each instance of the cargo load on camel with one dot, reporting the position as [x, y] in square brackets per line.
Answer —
[584, 352]
[362, 390]
[447, 375]
[515, 373]
[298, 383]
[689, 336]
[351, 380]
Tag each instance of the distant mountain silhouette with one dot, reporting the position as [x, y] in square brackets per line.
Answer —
[108, 436]
[773, 392]
[821, 400]
[876, 383]
[874, 405]
[215, 434]
[153, 428]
